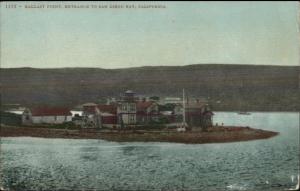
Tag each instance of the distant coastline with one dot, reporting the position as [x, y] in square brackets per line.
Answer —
[226, 87]
[212, 135]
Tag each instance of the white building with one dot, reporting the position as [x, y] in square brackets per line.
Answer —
[76, 113]
[50, 115]
[126, 110]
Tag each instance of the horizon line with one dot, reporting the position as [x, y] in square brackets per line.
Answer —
[135, 67]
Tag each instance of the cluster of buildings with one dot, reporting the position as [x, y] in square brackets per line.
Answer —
[129, 111]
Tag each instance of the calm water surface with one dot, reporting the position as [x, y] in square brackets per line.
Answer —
[66, 164]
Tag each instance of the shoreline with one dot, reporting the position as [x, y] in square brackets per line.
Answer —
[213, 135]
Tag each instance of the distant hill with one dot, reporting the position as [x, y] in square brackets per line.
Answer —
[227, 87]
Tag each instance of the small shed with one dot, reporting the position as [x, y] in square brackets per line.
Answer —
[23, 113]
[12, 119]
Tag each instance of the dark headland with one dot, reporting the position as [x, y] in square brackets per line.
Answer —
[212, 135]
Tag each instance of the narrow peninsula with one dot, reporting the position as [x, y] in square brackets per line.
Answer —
[211, 135]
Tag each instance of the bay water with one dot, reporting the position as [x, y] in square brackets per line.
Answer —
[72, 164]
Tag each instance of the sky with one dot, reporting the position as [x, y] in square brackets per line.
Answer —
[179, 33]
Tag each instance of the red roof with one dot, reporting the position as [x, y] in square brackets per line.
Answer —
[108, 108]
[50, 111]
[109, 119]
[142, 105]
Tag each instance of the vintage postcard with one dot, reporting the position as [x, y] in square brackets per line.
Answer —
[151, 95]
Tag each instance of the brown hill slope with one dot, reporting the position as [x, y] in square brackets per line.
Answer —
[238, 87]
